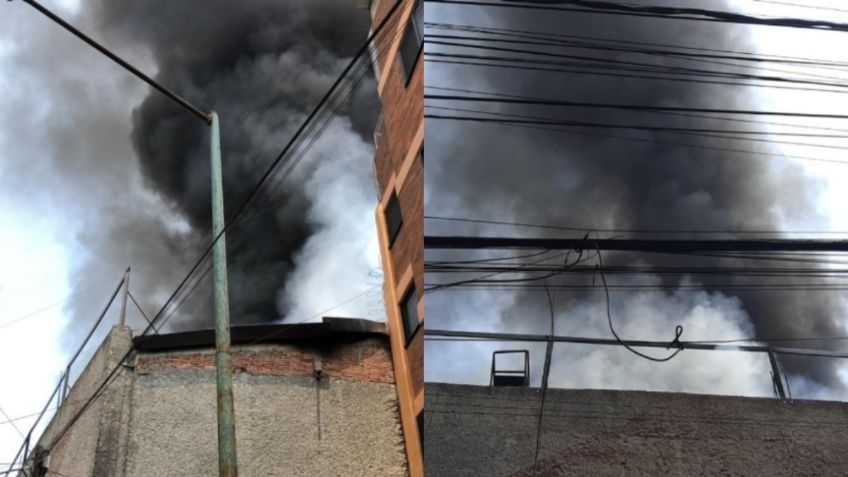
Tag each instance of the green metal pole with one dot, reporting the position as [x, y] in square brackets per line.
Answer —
[227, 463]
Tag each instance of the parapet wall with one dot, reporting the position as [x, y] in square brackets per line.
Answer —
[473, 430]
[158, 418]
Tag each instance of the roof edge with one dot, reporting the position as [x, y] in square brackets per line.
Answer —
[329, 329]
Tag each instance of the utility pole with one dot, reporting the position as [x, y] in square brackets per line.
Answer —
[227, 462]
[227, 466]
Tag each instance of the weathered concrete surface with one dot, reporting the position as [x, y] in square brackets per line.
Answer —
[158, 418]
[474, 431]
[285, 426]
[89, 447]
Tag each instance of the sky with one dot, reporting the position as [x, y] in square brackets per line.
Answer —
[91, 182]
[788, 194]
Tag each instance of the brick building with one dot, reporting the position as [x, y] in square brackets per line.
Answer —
[399, 170]
[315, 399]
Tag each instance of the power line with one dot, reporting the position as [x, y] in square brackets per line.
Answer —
[666, 129]
[629, 107]
[143, 314]
[693, 345]
[533, 123]
[11, 421]
[624, 230]
[507, 285]
[54, 304]
[660, 129]
[815, 7]
[769, 272]
[325, 118]
[623, 46]
[650, 11]
[628, 65]
[112, 56]
[635, 245]
[677, 331]
[714, 52]
[611, 72]
[495, 95]
[654, 141]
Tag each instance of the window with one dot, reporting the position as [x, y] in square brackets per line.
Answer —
[409, 313]
[394, 219]
[413, 41]
[420, 420]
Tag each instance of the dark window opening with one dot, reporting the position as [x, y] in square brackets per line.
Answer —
[412, 42]
[420, 419]
[409, 314]
[394, 219]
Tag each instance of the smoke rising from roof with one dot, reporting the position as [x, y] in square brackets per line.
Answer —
[262, 66]
[536, 176]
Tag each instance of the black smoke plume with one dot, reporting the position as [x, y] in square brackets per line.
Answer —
[531, 176]
[262, 65]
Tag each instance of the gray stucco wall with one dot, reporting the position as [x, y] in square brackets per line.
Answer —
[162, 421]
[473, 431]
[89, 447]
[279, 431]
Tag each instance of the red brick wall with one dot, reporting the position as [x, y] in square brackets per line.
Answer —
[409, 245]
[365, 361]
[403, 114]
[416, 362]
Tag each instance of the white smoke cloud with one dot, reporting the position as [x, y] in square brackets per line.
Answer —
[642, 315]
[336, 262]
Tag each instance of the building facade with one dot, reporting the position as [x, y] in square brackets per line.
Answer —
[399, 169]
[494, 431]
[314, 399]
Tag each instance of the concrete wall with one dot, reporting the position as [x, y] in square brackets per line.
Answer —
[159, 417]
[472, 430]
[90, 446]
[287, 422]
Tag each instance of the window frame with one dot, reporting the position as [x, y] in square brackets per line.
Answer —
[408, 334]
[393, 232]
[413, 32]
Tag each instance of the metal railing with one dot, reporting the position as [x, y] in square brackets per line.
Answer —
[64, 386]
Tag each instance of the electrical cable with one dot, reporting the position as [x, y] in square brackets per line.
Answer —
[326, 118]
[205, 117]
[629, 231]
[815, 7]
[624, 64]
[657, 129]
[747, 63]
[637, 127]
[651, 11]
[563, 38]
[55, 304]
[605, 71]
[677, 332]
[625, 107]
[11, 421]
[676, 143]
[143, 314]
[545, 375]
